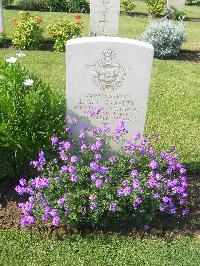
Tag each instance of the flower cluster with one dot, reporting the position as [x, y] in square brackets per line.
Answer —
[87, 182]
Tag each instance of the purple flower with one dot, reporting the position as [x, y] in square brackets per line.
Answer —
[64, 169]
[108, 180]
[54, 140]
[61, 201]
[99, 144]
[156, 196]
[99, 183]
[23, 182]
[127, 191]
[113, 207]
[54, 212]
[120, 128]
[112, 160]
[134, 173]
[84, 147]
[98, 156]
[182, 170]
[136, 183]
[125, 182]
[182, 202]
[82, 136]
[93, 206]
[27, 220]
[162, 207]
[56, 221]
[146, 227]
[133, 161]
[40, 182]
[166, 199]
[104, 170]
[137, 136]
[20, 190]
[74, 178]
[185, 212]
[94, 177]
[92, 197]
[74, 159]
[94, 166]
[154, 164]
[72, 169]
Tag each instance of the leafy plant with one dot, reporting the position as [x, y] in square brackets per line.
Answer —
[192, 2]
[165, 36]
[78, 6]
[127, 5]
[27, 31]
[175, 13]
[29, 114]
[64, 30]
[86, 184]
[31, 4]
[55, 5]
[7, 3]
[2, 39]
[155, 7]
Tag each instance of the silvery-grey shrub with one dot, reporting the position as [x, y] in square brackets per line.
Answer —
[165, 36]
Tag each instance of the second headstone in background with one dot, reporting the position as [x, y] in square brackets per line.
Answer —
[178, 4]
[104, 17]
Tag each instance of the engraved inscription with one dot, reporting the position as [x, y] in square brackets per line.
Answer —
[116, 107]
[107, 72]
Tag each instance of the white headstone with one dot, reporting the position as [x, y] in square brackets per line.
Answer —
[1, 17]
[112, 73]
[104, 17]
[178, 4]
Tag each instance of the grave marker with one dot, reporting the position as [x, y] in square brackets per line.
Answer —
[111, 73]
[178, 4]
[104, 17]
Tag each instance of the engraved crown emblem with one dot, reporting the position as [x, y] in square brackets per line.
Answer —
[107, 72]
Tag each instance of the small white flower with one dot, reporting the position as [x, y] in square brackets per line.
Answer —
[20, 54]
[28, 82]
[11, 60]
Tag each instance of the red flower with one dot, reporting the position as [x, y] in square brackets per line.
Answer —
[77, 17]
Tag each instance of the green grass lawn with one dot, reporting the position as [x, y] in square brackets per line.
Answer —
[23, 248]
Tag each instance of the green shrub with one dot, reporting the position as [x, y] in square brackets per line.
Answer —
[27, 31]
[155, 7]
[78, 6]
[55, 5]
[7, 3]
[165, 36]
[85, 184]
[192, 2]
[175, 13]
[127, 5]
[64, 30]
[31, 4]
[29, 113]
[2, 39]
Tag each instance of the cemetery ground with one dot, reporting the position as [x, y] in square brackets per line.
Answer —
[173, 113]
